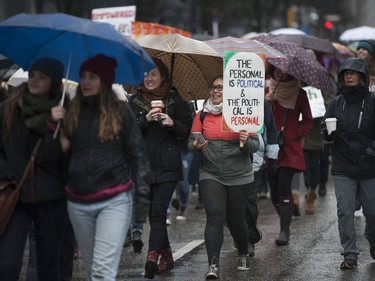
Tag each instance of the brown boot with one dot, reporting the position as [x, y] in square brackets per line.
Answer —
[296, 211]
[151, 266]
[309, 203]
[166, 262]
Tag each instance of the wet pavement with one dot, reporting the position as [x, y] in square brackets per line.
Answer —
[312, 254]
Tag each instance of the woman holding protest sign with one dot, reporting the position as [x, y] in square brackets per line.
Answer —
[288, 102]
[224, 180]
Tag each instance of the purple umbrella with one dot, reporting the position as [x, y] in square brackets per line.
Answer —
[308, 42]
[298, 63]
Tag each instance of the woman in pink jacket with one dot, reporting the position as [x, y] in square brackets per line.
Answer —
[288, 101]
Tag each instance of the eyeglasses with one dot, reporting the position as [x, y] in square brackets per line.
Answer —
[351, 73]
[218, 87]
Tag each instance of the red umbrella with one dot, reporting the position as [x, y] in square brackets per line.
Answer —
[298, 63]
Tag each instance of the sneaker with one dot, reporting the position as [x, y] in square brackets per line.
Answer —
[168, 221]
[181, 214]
[251, 249]
[372, 252]
[262, 195]
[175, 203]
[243, 263]
[348, 264]
[213, 272]
[137, 241]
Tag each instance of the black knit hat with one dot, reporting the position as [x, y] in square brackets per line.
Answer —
[53, 68]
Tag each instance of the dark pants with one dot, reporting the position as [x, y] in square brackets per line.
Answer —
[324, 165]
[161, 194]
[224, 204]
[311, 174]
[281, 184]
[252, 209]
[51, 222]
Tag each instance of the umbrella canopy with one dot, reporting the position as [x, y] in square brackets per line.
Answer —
[232, 44]
[358, 33]
[71, 40]
[342, 50]
[298, 63]
[287, 30]
[308, 42]
[192, 64]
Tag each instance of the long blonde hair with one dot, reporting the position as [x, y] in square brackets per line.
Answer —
[110, 114]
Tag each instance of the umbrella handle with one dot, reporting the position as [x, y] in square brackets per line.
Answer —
[56, 130]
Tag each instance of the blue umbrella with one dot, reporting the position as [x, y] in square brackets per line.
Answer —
[71, 40]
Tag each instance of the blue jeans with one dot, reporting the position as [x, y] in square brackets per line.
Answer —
[182, 188]
[346, 189]
[51, 221]
[136, 226]
[100, 230]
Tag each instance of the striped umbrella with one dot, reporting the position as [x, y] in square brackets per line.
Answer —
[233, 44]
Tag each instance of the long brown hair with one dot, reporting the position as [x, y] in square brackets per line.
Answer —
[110, 114]
[11, 111]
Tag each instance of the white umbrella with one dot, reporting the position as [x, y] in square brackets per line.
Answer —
[358, 33]
[286, 30]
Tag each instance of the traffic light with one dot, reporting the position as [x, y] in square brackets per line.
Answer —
[328, 24]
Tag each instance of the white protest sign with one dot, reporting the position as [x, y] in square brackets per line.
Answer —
[120, 17]
[316, 101]
[243, 94]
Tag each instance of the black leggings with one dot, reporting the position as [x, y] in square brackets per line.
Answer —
[224, 204]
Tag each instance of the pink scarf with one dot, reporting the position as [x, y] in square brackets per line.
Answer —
[285, 93]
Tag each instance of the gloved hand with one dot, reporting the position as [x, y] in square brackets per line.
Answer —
[141, 211]
[371, 149]
[326, 136]
[272, 167]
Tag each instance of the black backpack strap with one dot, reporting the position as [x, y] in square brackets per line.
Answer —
[202, 116]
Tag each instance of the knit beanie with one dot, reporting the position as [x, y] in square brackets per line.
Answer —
[367, 46]
[53, 68]
[102, 66]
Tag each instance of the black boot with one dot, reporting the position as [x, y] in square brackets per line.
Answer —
[286, 211]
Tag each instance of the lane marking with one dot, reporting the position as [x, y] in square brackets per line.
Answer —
[187, 248]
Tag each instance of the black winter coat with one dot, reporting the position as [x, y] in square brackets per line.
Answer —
[96, 165]
[353, 136]
[49, 180]
[163, 143]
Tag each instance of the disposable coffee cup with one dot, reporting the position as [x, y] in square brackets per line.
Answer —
[157, 104]
[331, 124]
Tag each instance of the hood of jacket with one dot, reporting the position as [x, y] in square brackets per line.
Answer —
[355, 64]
